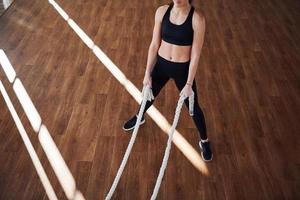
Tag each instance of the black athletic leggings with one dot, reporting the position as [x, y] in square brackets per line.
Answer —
[162, 72]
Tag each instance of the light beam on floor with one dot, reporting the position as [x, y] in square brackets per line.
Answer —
[57, 162]
[6, 65]
[29, 108]
[32, 153]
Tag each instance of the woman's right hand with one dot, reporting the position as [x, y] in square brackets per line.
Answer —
[147, 80]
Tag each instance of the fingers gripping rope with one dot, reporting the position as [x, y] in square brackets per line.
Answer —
[147, 96]
[169, 143]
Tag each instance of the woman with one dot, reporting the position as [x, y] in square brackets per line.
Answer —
[174, 53]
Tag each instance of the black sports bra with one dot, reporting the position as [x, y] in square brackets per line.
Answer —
[177, 34]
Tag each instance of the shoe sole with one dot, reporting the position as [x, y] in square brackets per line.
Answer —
[203, 156]
[142, 122]
[205, 159]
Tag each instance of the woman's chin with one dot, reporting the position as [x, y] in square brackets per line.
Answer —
[179, 2]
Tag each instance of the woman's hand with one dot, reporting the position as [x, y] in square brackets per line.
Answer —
[147, 80]
[187, 90]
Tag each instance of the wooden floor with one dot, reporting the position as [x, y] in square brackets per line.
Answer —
[248, 84]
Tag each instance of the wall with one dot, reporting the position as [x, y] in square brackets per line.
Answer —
[4, 4]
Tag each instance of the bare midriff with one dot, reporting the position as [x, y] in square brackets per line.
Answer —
[174, 53]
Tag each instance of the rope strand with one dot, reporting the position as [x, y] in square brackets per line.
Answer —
[169, 143]
[147, 95]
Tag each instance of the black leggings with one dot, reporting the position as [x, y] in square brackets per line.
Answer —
[162, 72]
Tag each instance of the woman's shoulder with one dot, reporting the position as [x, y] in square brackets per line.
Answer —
[160, 12]
[163, 8]
[198, 17]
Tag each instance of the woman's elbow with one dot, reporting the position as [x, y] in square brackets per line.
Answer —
[154, 45]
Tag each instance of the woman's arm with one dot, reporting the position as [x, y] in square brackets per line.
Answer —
[199, 31]
[156, 40]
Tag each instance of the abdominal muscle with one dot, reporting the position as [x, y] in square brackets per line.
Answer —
[174, 53]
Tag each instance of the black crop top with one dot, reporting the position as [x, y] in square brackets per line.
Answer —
[177, 34]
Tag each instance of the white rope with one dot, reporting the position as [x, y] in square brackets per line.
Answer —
[169, 143]
[191, 104]
[147, 96]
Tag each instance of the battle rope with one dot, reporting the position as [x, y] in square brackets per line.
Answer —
[168, 148]
[147, 96]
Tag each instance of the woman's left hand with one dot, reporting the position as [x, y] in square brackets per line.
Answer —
[187, 91]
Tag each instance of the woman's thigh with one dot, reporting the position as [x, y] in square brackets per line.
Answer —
[159, 79]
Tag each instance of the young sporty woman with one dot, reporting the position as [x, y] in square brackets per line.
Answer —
[174, 53]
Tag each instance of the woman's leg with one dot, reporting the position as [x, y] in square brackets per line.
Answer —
[198, 116]
[159, 80]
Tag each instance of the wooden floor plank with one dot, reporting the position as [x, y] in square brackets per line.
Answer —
[248, 83]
